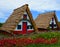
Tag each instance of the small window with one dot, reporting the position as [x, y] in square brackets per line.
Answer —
[19, 27]
[29, 27]
[25, 16]
[55, 25]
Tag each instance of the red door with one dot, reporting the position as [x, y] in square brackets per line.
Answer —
[24, 28]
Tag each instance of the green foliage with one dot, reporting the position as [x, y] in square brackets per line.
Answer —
[44, 45]
[1, 24]
[46, 35]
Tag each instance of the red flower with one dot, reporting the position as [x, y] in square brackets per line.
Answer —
[53, 40]
[1, 42]
[47, 41]
[39, 40]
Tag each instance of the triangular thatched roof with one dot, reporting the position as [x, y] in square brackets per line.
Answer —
[43, 20]
[15, 18]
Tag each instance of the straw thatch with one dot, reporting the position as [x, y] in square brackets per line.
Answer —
[43, 20]
[15, 18]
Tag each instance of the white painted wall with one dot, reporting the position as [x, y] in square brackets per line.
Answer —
[20, 23]
[28, 23]
[54, 23]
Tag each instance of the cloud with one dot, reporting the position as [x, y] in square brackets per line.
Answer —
[7, 6]
[4, 14]
[33, 4]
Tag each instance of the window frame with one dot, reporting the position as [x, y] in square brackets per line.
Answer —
[29, 27]
[19, 28]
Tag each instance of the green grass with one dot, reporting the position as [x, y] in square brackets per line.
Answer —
[43, 45]
[46, 35]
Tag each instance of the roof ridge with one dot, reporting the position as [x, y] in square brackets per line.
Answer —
[47, 12]
[21, 6]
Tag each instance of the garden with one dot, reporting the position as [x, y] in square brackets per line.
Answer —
[45, 39]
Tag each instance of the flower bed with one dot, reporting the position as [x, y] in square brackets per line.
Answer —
[43, 38]
[26, 41]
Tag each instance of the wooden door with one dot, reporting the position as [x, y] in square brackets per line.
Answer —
[24, 28]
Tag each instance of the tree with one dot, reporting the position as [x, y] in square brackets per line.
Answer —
[1, 24]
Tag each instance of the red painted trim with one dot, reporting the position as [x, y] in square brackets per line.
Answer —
[17, 32]
[20, 32]
[30, 31]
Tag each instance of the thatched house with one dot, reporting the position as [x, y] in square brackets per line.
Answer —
[47, 21]
[20, 21]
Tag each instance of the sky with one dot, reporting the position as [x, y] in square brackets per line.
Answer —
[36, 7]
